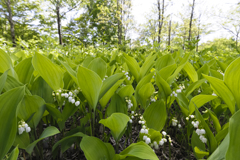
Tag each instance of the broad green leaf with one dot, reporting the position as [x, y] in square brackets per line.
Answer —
[116, 123]
[126, 91]
[49, 131]
[163, 86]
[31, 105]
[222, 134]
[8, 113]
[210, 137]
[192, 74]
[220, 152]
[145, 92]
[216, 74]
[71, 72]
[109, 82]
[133, 66]
[87, 61]
[25, 69]
[14, 154]
[6, 64]
[95, 149]
[183, 103]
[156, 115]
[164, 61]
[11, 83]
[214, 118]
[179, 68]
[204, 69]
[222, 65]
[194, 86]
[147, 65]
[42, 89]
[107, 96]
[200, 153]
[117, 104]
[196, 142]
[142, 82]
[167, 71]
[139, 150]
[66, 139]
[99, 66]
[222, 91]
[232, 79]
[3, 79]
[234, 141]
[199, 100]
[90, 84]
[22, 140]
[54, 112]
[50, 72]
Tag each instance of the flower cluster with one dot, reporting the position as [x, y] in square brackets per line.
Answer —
[132, 117]
[104, 78]
[164, 139]
[127, 75]
[130, 104]
[71, 98]
[153, 99]
[23, 126]
[201, 133]
[175, 123]
[173, 94]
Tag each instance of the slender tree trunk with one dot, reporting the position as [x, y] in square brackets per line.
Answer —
[9, 17]
[119, 23]
[169, 33]
[59, 22]
[190, 23]
[160, 19]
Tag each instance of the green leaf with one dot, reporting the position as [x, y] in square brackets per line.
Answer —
[234, 141]
[30, 105]
[163, 86]
[54, 112]
[210, 136]
[192, 74]
[95, 149]
[6, 63]
[156, 115]
[232, 79]
[22, 140]
[109, 82]
[194, 86]
[183, 103]
[99, 66]
[66, 139]
[147, 65]
[116, 123]
[220, 152]
[25, 69]
[196, 142]
[179, 68]
[8, 113]
[222, 65]
[117, 104]
[126, 91]
[139, 150]
[50, 72]
[222, 91]
[145, 92]
[90, 84]
[167, 71]
[164, 61]
[214, 118]
[133, 66]
[204, 69]
[49, 131]
[199, 100]
[71, 72]
[222, 134]
[14, 154]
[42, 89]
[200, 153]
[107, 96]
[3, 79]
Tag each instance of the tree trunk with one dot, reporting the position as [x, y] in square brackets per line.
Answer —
[169, 34]
[59, 22]
[160, 19]
[8, 3]
[119, 23]
[190, 23]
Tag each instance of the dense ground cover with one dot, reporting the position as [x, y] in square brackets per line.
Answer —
[105, 103]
